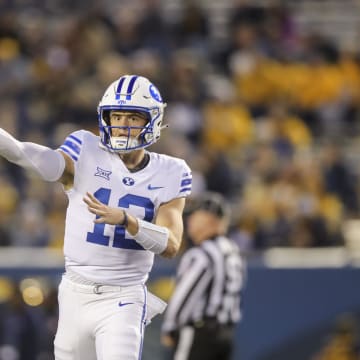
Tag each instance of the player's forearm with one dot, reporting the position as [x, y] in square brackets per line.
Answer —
[47, 163]
[153, 237]
[172, 247]
[150, 236]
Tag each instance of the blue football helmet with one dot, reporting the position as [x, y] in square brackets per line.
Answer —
[131, 93]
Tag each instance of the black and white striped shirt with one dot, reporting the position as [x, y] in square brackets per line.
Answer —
[208, 285]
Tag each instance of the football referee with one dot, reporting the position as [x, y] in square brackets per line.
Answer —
[200, 319]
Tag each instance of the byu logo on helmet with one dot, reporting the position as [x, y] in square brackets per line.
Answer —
[154, 92]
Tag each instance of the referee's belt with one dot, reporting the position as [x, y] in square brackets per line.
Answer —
[211, 324]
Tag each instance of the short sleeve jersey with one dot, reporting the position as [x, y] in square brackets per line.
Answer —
[106, 253]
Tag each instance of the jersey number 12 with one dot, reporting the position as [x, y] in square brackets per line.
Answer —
[120, 241]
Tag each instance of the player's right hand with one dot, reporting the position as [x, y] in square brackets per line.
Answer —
[104, 213]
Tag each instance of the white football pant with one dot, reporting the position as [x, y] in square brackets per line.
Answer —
[100, 323]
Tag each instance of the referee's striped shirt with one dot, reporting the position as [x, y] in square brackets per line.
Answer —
[209, 280]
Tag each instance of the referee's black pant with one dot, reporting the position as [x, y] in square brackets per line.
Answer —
[205, 341]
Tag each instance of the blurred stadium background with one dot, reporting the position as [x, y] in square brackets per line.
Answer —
[263, 103]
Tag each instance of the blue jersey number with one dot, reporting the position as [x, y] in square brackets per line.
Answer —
[120, 241]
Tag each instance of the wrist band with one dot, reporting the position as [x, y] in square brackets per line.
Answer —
[125, 221]
[152, 237]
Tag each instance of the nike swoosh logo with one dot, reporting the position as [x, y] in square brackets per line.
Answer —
[154, 187]
[123, 304]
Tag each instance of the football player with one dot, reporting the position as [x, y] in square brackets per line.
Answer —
[125, 206]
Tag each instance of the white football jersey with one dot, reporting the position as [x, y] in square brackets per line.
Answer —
[105, 253]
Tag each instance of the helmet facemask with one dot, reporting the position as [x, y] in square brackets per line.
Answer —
[141, 96]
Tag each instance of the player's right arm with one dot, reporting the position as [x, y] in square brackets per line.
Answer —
[49, 164]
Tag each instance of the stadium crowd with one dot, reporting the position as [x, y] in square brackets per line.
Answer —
[268, 116]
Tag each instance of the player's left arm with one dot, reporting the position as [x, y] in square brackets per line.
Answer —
[170, 217]
[163, 237]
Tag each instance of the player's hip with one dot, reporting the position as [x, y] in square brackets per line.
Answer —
[102, 290]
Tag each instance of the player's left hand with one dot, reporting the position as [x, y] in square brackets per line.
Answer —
[104, 213]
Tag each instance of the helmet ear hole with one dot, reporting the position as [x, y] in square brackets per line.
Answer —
[106, 116]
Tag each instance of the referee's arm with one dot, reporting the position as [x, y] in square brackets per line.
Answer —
[194, 276]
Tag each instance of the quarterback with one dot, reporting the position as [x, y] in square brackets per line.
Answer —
[125, 205]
